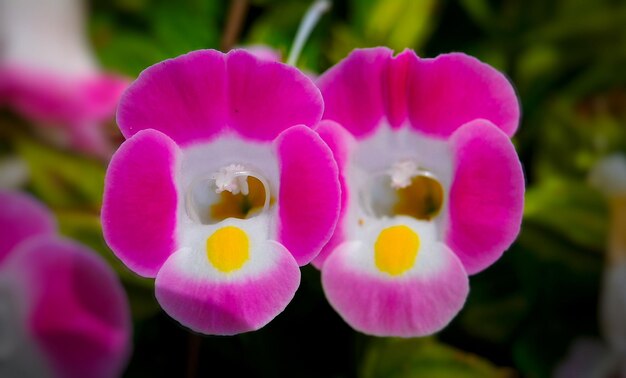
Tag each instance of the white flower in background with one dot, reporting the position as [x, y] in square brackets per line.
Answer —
[596, 358]
[48, 73]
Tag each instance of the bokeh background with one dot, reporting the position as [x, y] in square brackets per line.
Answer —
[567, 60]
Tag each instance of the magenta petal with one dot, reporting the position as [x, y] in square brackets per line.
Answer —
[52, 98]
[79, 105]
[227, 306]
[21, 217]
[352, 90]
[194, 97]
[140, 201]
[184, 97]
[268, 97]
[486, 197]
[77, 309]
[395, 87]
[340, 142]
[310, 194]
[394, 306]
[453, 89]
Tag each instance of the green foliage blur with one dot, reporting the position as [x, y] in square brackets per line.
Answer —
[567, 60]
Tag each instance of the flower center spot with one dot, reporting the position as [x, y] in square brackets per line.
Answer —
[395, 249]
[422, 199]
[403, 190]
[228, 249]
[240, 205]
[231, 192]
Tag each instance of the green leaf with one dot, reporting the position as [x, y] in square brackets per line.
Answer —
[181, 27]
[570, 208]
[401, 24]
[62, 179]
[399, 358]
[130, 52]
[480, 11]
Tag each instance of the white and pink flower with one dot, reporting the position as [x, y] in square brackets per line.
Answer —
[222, 189]
[63, 311]
[432, 186]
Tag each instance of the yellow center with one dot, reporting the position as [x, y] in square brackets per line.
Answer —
[228, 249]
[395, 249]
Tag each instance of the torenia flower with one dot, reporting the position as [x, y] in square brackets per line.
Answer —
[215, 192]
[63, 312]
[433, 188]
[48, 73]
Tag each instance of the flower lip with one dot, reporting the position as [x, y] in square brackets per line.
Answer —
[228, 278]
[415, 295]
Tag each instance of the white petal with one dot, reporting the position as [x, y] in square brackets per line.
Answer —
[46, 34]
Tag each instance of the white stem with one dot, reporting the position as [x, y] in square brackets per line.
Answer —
[309, 21]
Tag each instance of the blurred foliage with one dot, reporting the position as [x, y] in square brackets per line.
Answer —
[395, 358]
[566, 59]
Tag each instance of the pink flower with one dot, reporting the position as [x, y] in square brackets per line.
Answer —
[63, 311]
[48, 73]
[215, 192]
[432, 186]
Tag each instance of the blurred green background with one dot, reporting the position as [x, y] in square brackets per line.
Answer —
[567, 60]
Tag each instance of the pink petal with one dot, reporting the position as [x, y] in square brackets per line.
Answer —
[228, 306]
[71, 103]
[395, 87]
[437, 96]
[77, 309]
[586, 356]
[21, 217]
[340, 142]
[411, 306]
[264, 52]
[310, 193]
[54, 98]
[268, 97]
[453, 89]
[196, 96]
[486, 197]
[352, 90]
[184, 97]
[140, 201]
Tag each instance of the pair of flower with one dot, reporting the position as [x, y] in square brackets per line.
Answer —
[394, 175]
[63, 311]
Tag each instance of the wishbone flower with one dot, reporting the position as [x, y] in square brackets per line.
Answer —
[216, 193]
[432, 185]
[49, 75]
[63, 311]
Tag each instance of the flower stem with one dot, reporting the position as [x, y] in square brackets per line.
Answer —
[236, 16]
[309, 21]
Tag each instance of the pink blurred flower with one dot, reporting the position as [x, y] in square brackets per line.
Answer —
[48, 73]
[432, 186]
[201, 129]
[63, 311]
[264, 52]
